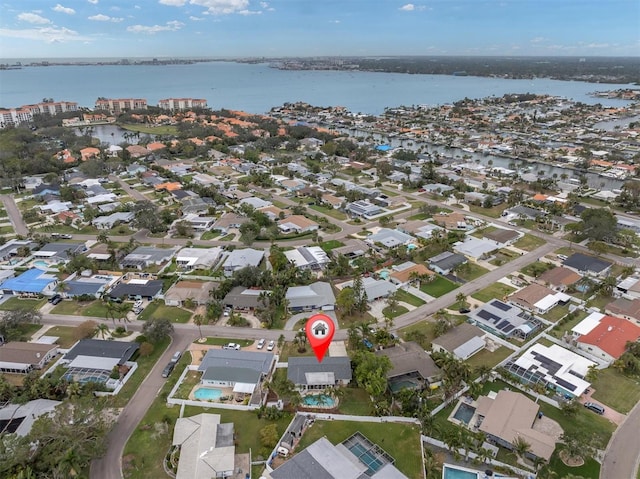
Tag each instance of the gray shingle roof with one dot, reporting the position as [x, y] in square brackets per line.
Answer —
[300, 366]
[236, 359]
[103, 349]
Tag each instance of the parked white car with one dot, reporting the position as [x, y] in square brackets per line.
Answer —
[271, 345]
[260, 344]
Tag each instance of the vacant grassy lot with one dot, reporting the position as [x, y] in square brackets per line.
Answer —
[599, 302]
[471, 271]
[537, 268]
[564, 326]
[339, 215]
[488, 358]
[503, 256]
[421, 332]
[493, 212]
[65, 335]
[494, 291]
[327, 246]
[557, 312]
[406, 297]
[616, 390]
[14, 304]
[289, 349]
[401, 441]
[439, 286]
[529, 242]
[69, 308]
[157, 310]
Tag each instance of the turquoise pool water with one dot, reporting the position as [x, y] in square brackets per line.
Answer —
[455, 473]
[41, 264]
[207, 394]
[464, 413]
[384, 273]
[322, 400]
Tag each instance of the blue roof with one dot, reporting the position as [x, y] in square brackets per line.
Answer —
[77, 288]
[383, 147]
[31, 281]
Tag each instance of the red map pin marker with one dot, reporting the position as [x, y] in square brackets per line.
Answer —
[319, 331]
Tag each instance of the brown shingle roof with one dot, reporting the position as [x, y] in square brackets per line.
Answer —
[407, 358]
[559, 276]
[530, 295]
[24, 353]
[458, 336]
[502, 236]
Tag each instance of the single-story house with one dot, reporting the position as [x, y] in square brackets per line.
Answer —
[452, 221]
[502, 237]
[18, 357]
[228, 221]
[585, 264]
[10, 248]
[624, 308]
[307, 373]
[558, 278]
[108, 222]
[445, 263]
[145, 256]
[32, 282]
[629, 287]
[353, 248]
[297, 224]
[79, 285]
[316, 296]
[198, 291]
[207, 447]
[605, 337]
[255, 202]
[59, 252]
[475, 248]
[410, 364]
[538, 298]
[462, 341]
[408, 271]
[504, 320]
[241, 258]
[374, 288]
[507, 416]
[363, 209]
[389, 238]
[96, 359]
[19, 418]
[246, 299]
[199, 223]
[241, 370]
[137, 289]
[308, 257]
[198, 258]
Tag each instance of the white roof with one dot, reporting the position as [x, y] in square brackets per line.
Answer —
[245, 388]
[320, 378]
[91, 362]
[587, 324]
[551, 300]
[101, 256]
[467, 349]
[475, 247]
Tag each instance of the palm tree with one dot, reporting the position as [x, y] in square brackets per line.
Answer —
[103, 330]
[521, 448]
[461, 299]
[300, 340]
[592, 374]
[110, 311]
[483, 372]
[121, 311]
[198, 320]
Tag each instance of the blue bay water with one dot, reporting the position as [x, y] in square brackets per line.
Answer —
[256, 88]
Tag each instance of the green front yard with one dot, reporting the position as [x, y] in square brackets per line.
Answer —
[339, 215]
[327, 246]
[616, 390]
[14, 304]
[71, 308]
[222, 341]
[422, 332]
[401, 441]
[156, 310]
[494, 291]
[503, 256]
[589, 470]
[65, 335]
[439, 286]
[471, 271]
[402, 295]
[529, 242]
[395, 312]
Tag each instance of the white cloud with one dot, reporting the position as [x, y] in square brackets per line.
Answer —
[60, 9]
[46, 34]
[195, 19]
[538, 40]
[334, 21]
[105, 18]
[169, 27]
[409, 7]
[216, 7]
[33, 18]
[249, 12]
[93, 1]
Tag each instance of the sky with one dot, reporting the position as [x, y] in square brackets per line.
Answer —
[280, 28]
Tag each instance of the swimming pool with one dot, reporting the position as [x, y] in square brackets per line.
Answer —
[41, 264]
[321, 400]
[207, 394]
[366, 457]
[404, 383]
[464, 413]
[450, 472]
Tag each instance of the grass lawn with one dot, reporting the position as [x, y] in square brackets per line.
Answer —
[564, 326]
[389, 192]
[65, 335]
[355, 401]
[419, 217]
[422, 332]
[401, 441]
[488, 358]
[157, 310]
[190, 381]
[222, 341]
[496, 290]
[209, 235]
[536, 269]
[97, 309]
[616, 390]
[599, 302]
[290, 349]
[395, 312]
[471, 271]
[439, 286]
[69, 308]
[327, 246]
[589, 470]
[151, 130]
[493, 212]
[339, 215]
[529, 242]
[26, 331]
[406, 297]
[556, 313]
[145, 364]
[14, 304]
[503, 256]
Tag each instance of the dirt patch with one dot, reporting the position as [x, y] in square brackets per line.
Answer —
[570, 461]
[127, 462]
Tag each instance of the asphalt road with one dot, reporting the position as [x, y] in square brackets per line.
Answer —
[15, 217]
[622, 457]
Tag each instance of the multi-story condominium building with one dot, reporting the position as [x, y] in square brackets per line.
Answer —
[121, 104]
[24, 114]
[182, 103]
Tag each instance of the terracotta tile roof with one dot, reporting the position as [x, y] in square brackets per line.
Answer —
[611, 335]
[559, 276]
[405, 275]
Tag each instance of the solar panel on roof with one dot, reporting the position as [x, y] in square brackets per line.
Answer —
[500, 305]
[508, 328]
[565, 384]
[502, 324]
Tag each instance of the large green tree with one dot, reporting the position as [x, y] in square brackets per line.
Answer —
[599, 224]
[371, 372]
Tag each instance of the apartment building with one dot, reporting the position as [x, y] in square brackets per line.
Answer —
[182, 103]
[120, 104]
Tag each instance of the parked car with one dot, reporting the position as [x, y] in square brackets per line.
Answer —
[167, 369]
[271, 345]
[176, 357]
[367, 343]
[594, 407]
[55, 297]
[235, 346]
[464, 310]
[261, 344]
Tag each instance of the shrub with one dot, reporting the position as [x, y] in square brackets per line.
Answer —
[146, 349]
[120, 330]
